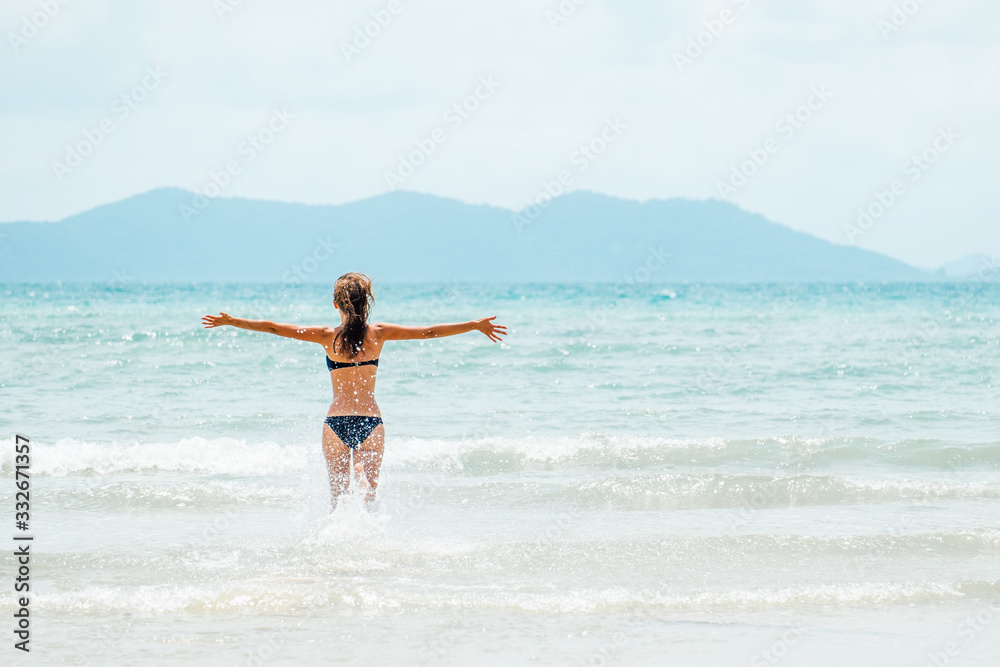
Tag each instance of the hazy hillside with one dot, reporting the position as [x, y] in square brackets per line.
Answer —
[412, 237]
[971, 267]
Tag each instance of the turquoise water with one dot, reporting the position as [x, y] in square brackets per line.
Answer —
[759, 474]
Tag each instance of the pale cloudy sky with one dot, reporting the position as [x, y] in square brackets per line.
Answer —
[930, 88]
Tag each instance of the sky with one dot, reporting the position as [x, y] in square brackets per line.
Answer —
[865, 122]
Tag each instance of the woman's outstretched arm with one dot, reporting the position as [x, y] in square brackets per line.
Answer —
[399, 332]
[313, 334]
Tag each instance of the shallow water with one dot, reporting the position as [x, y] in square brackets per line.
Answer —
[699, 475]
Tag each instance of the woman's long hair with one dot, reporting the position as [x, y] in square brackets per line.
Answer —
[353, 296]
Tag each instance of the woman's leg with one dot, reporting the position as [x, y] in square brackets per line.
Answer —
[369, 457]
[338, 464]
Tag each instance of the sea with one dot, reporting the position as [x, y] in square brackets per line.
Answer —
[640, 474]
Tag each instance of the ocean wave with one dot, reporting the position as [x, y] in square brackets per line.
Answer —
[99, 494]
[743, 494]
[495, 455]
[748, 493]
[355, 545]
[293, 595]
[197, 455]
[490, 455]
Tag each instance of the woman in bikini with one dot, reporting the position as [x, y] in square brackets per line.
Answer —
[354, 422]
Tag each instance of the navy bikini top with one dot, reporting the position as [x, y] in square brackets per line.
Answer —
[334, 365]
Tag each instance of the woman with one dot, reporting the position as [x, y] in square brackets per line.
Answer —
[354, 421]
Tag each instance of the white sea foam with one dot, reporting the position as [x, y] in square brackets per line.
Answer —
[302, 595]
[241, 457]
[351, 520]
[219, 455]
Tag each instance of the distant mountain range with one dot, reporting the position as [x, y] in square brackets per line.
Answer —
[170, 235]
[971, 266]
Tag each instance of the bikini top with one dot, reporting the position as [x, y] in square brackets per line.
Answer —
[334, 365]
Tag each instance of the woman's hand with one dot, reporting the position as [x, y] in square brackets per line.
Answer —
[492, 331]
[220, 320]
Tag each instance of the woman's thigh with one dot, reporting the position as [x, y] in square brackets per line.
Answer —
[370, 453]
[336, 453]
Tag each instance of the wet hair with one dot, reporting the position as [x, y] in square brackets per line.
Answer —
[353, 295]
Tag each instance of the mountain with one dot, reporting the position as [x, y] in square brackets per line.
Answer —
[163, 235]
[970, 266]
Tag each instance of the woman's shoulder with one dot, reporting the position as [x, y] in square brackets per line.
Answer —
[384, 330]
